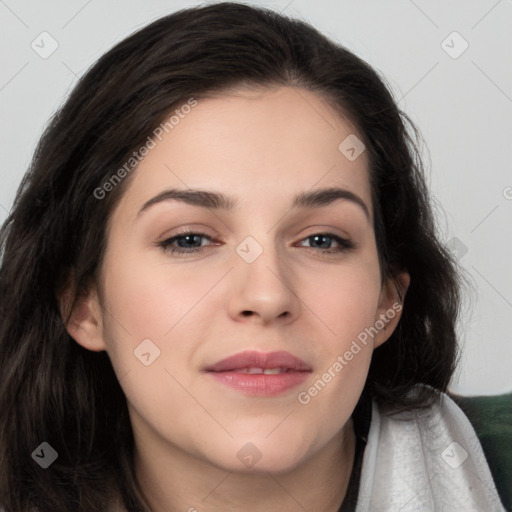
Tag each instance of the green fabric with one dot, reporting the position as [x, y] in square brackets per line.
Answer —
[491, 417]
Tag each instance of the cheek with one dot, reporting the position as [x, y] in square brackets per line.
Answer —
[150, 300]
[347, 309]
[345, 306]
[345, 300]
[150, 338]
[160, 310]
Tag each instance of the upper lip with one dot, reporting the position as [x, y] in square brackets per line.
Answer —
[263, 360]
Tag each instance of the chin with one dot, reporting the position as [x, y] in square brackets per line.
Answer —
[259, 455]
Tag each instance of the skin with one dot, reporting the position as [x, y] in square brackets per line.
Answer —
[262, 148]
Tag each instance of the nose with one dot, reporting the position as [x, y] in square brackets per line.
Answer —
[263, 290]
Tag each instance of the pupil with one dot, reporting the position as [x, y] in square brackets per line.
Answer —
[317, 237]
[189, 238]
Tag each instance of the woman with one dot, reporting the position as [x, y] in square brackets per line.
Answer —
[298, 359]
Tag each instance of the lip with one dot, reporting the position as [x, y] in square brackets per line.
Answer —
[227, 372]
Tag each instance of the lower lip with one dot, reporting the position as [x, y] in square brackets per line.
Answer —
[261, 384]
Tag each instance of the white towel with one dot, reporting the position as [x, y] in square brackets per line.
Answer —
[425, 461]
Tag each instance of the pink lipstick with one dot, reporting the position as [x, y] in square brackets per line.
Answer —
[260, 374]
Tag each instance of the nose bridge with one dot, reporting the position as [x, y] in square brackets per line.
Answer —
[261, 257]
[263, 278]
[261, 240]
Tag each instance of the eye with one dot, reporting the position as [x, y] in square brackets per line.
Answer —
[189, 238]
[319, 238]
[190, 242]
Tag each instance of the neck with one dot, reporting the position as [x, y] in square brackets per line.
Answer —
[172, 480]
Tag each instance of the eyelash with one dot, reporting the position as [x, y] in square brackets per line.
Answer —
[346, 245]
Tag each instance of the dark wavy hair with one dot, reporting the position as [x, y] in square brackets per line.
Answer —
[54, 390]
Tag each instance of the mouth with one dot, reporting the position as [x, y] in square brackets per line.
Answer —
[260, 374]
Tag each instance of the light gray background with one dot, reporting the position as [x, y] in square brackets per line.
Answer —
[462, 105]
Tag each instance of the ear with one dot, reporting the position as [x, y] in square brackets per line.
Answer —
[85, 323]
[390, 307]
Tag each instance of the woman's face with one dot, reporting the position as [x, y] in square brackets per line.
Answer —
[264, 276]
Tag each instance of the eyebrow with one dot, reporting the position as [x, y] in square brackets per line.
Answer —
[218, 201]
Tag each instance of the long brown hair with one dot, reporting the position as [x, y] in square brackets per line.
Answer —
[53, 390]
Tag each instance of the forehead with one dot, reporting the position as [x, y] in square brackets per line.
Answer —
[265, 145]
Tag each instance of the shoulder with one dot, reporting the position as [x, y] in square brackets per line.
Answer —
[426, 457]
